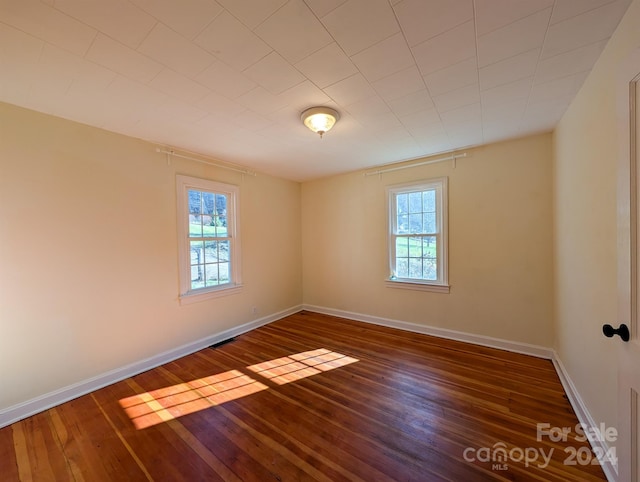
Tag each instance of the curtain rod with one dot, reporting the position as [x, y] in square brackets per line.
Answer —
[202, 161]
[415, 164]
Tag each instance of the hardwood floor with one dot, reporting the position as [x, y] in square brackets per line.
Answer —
[311, 397]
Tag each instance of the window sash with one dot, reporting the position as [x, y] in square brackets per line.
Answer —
[185, 240]
[439, 186]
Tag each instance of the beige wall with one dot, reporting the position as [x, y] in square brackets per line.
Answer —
[88, 254]
[500, 244]
[586, 150]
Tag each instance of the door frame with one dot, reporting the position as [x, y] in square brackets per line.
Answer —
[627, 222]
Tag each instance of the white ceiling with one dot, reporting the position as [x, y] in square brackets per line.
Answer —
[229, 78]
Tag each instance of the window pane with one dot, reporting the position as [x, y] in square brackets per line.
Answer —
[429, 220]
[224, 272]
[195, 202]
[429, 249]
[221, 224]
[415, 268]
[403, 224]
[223, 250]
[212, 274]
[415, 223]
[207, 203]
[197, 276]
[415, 202]
[430, 269]
[221, 204]
[402, 267]
[209, 230]
[211, 252]
[415, 247]
[429, 200]
[402, 204]
[197, 252]
[195, 226]
[402, 247]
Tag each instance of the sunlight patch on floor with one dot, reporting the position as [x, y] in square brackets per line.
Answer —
[168, 403]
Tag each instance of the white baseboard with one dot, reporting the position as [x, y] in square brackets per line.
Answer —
[513, 346]
[44, 402]
[584, 416]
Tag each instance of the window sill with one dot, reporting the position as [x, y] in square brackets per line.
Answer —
[408, 285]
[198, 296]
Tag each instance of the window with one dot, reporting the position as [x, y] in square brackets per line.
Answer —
[418, 235]
[208, 240]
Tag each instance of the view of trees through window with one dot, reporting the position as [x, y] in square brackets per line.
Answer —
[209, 239]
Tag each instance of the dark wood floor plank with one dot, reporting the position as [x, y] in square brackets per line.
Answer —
[309, 397]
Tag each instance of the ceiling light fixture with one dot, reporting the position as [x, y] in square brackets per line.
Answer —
[320, 119]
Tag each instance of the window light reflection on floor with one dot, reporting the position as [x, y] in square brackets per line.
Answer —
[157, 406]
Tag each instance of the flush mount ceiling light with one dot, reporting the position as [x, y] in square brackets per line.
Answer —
[320, 119]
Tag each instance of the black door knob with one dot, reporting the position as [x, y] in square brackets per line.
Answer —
[622, 331]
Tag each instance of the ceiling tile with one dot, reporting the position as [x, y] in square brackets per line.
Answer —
[584, 29]
[421, 120]
[136, 98]
[412, 103]
[261, 101]
[252, 13]
[90, 81]
[462, 114]
[174, 51]
[424, 19]
[494, 14]
[384, 58]
[559, 88]
[327, 66]
[322, 7]
[229, 40]
[565, 9]
[122, 59]
[358, 24]
[399, 84]
[178, 111]
[294, 21]
[454, 77]
[304, 95]
[274, 73]
[369, 107]
[505, 93]
[457, 98]
[118, 19]
[49, 24]
[517, 37]
[251, 121]
[509, 70]
[51, 78]
[447, 49]
[187, 17]
[350, 90]
[504, 112]
[221, 78]
[219, 104]
[568, 63]
[500, 131]
[178, 86]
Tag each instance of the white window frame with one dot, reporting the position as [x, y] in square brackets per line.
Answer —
[183, 185]
[441, 284]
